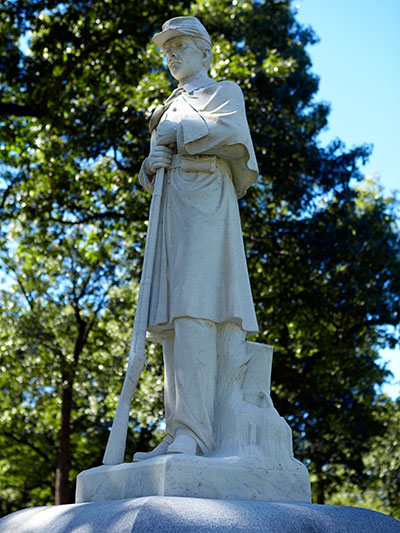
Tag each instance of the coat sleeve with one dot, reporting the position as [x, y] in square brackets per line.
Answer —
[147, 182]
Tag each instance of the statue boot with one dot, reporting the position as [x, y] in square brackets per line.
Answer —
[161, 449]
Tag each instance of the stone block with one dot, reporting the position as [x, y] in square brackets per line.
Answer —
[198, 477]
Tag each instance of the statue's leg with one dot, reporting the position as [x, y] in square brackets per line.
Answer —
[195, 358]
[169, 381]
[169, 398]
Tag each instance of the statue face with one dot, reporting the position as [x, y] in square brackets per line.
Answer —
[184, 58]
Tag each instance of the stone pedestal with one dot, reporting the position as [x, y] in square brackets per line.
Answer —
[252, 457]
[194, 515]
[221, 478]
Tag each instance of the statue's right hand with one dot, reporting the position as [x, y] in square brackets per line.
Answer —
[160, 157]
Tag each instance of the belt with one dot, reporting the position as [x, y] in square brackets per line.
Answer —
[200, 163]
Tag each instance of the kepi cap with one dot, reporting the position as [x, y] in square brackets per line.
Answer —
[190, 26]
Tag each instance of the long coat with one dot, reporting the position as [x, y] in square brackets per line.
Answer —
[200, 268]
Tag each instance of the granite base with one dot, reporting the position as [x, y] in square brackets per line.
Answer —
[195, 515]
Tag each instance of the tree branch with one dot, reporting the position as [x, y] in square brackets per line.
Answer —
[18, 110]
[24, 292]
[24, 441]
[89, 218]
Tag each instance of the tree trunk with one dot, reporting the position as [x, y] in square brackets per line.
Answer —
[68, 374]
[63, 466]
[320, 487]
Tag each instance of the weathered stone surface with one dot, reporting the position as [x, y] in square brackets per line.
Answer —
[193, 515]
[200, 477]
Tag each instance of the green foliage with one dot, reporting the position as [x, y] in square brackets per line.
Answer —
[380, 488]
[323, 252]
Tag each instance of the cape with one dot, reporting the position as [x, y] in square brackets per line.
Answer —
[213, 122]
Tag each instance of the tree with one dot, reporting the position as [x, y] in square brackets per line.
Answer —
[381, 487]
[323, 255]
[335, 286]
[64, 340]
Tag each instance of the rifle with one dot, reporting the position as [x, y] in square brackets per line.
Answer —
[115, 449]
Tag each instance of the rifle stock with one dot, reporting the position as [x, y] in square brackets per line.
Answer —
[115, 449]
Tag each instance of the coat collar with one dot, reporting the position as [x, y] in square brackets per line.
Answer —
[197, 83]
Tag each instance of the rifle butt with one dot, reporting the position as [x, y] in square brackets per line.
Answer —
[115, 449]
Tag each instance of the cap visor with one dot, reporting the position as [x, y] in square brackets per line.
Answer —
[161, 38]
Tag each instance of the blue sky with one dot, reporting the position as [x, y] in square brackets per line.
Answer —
[358, 62]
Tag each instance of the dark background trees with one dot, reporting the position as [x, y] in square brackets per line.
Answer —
[79, 81]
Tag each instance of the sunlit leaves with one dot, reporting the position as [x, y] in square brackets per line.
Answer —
[239, 67]
[278, 68]
[380, 488]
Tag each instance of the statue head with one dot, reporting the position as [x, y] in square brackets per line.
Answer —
[187, 46]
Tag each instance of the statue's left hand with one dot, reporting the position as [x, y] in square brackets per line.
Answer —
[166, 133]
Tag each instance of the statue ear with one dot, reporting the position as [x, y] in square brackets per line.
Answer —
[206, 55]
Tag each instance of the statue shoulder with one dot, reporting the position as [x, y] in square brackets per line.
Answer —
[229, 85]
[230, 90]
[225, 95]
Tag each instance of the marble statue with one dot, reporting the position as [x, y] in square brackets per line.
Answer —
[200, 289]
[221, 426]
